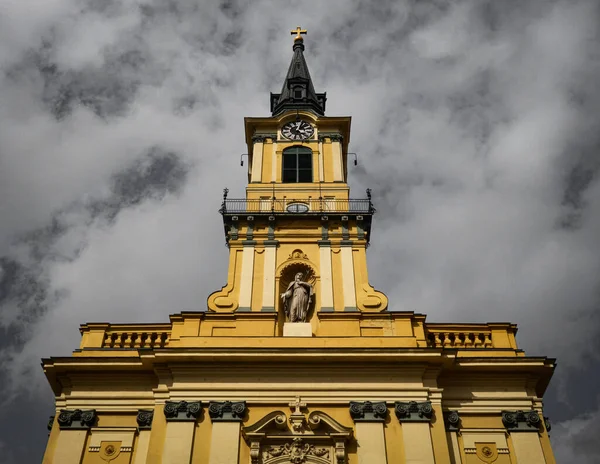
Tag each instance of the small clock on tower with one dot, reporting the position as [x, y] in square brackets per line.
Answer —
[297, 130]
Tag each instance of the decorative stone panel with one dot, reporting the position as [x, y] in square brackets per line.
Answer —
[182, 410]
[413, 411]
[367, 411]
[522, 421]
[144, 419]
[76, 419]
[227, 411]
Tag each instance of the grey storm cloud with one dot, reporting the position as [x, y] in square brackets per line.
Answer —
[476, 123]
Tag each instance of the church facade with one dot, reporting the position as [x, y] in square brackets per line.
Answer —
[297, 359]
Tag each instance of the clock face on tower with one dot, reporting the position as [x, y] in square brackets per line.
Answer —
[297, 130]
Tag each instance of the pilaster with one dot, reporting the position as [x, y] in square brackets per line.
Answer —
[523, 427]
[348, 286]
[226, 420]
[144, 421]
[257, 158]
[270, 259]
[74, 426]
[247, 276]
[415, 418]
[179, 437]
[326, 276]
[369, 419]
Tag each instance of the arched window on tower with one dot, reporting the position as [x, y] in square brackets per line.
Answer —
[297, 165]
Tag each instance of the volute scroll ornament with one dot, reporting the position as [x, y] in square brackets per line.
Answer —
[452, 420]
[227, 411]
[182, 410]
[368, 412]
[413, 411]
[522, 421]
[76, 418]
[144, 419]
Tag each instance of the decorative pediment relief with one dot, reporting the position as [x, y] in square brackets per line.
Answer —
[276, 439]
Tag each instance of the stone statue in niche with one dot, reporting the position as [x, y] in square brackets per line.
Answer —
[297, 299]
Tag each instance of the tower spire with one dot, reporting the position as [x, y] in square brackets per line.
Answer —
[298, 91]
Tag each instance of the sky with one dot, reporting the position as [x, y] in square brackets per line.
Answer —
[476, 123]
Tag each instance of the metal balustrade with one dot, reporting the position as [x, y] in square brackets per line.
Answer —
[297, 206]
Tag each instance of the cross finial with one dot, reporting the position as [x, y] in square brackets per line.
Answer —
[298, 31]
[297, 405]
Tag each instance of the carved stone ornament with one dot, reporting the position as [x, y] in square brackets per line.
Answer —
[273, 441]
[227, 411]
[182, 410]
[298, 254]
[76, 419]
[452, 420]
[521, 421]
[295, 452]
[144, 419]
[413, 411]
[367, 411]
[486, 452]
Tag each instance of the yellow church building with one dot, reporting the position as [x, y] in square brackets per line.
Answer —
[297, 359]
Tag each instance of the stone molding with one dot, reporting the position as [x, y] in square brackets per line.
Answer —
[452, 421]
[182, 410]
[76, 419]
[227, 411]
[368, 411]
[413, 412]
[522, 421]
[144, 419]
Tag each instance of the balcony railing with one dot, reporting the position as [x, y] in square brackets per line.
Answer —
[297, 206]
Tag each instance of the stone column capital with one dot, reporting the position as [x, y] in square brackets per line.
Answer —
[367, 411]
[144, 419]
[522, 421]
[227, 411]
[77, 419]
[413, 411]
[182, 411]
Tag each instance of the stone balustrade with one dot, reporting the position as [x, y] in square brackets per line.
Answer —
[460, 339]
[102, 335]
[493, 335]
[118, 339]
[194, 329]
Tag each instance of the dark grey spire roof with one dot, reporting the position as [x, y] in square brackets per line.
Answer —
[298, 91]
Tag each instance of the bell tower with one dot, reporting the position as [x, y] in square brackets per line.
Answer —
[297, 359]
[298, 216]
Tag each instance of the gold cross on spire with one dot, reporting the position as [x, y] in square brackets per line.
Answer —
[298, 31]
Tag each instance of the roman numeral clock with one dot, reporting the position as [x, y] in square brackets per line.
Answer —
[297, 130]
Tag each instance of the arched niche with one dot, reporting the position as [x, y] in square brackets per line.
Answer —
[297, 261]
